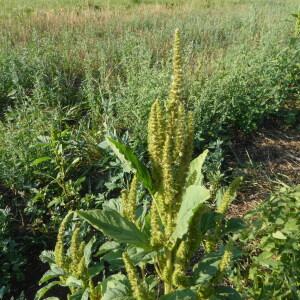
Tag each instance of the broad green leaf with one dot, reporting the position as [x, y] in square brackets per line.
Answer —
[40, 160]
[42, 291]
[207, 268]
[185, 294]
[74, 282]
[152, 282]
[56, 269]
[292, 225]
[117, 227]
[88, 251]
[107, 246]
[195, 175]
[114, 259]
[95, 270]
[139, 255]
[267, 259]
[279, 235]
[227, 293]
[207, 221]
[234, 225]
[50, 274]
[85, 295]
[131, 162]
[77, 295]
[113, 204]
[116, 287]
[192, 199]
[47, 256]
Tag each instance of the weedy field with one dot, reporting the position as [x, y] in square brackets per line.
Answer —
[153, 146]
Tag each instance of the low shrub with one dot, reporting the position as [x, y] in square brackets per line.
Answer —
[11, 256]
[271, 243]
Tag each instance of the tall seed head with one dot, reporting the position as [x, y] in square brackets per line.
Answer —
[156, 234]
[177, 83]
[229, 195]
[170, 139]
[59, 252]
[129, 201]
[136, 287]
[179, 277]
[226, 260]
[74, 247]
[155, 133]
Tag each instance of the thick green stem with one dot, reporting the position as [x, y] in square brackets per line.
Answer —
[168, 271]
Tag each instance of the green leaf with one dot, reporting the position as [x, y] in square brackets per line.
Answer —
[291, 226]
[140, 256]
[47, 256]
[185, 294]
[40, 160]
[192, 199]
[42, 291]
[74, 282]
[206, 221]
[95, 270]
[116, 287]
[50, 274]
[114, 259]
[234, 225]
[227, 293]
[195, 175]
[88, 251]
[207, 268]
[113, 204]
[279, 235]
[131, 162]
[85, 295]
[107, 246]
[266, 259]
[117, 227]
[77, 295]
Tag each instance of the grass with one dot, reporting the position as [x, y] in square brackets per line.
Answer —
[93, 67]
[104, 67]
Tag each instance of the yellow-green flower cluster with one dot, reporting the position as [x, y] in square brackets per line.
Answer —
[177, 83]
[72, 261]
[59, 252]
[94, 293]
[226, 260]
[170, 139]
[129, 201]
[170, 146]
[77, 265]
[138, 290]
[228, 196]
[179, 277]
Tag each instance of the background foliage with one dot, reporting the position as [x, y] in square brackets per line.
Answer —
[73, 71]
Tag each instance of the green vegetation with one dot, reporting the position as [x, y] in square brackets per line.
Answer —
[75, 72]
[272, 243]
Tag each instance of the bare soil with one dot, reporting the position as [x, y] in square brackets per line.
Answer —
[268, 159]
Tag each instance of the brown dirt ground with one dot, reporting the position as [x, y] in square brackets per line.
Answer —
[266, 160]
